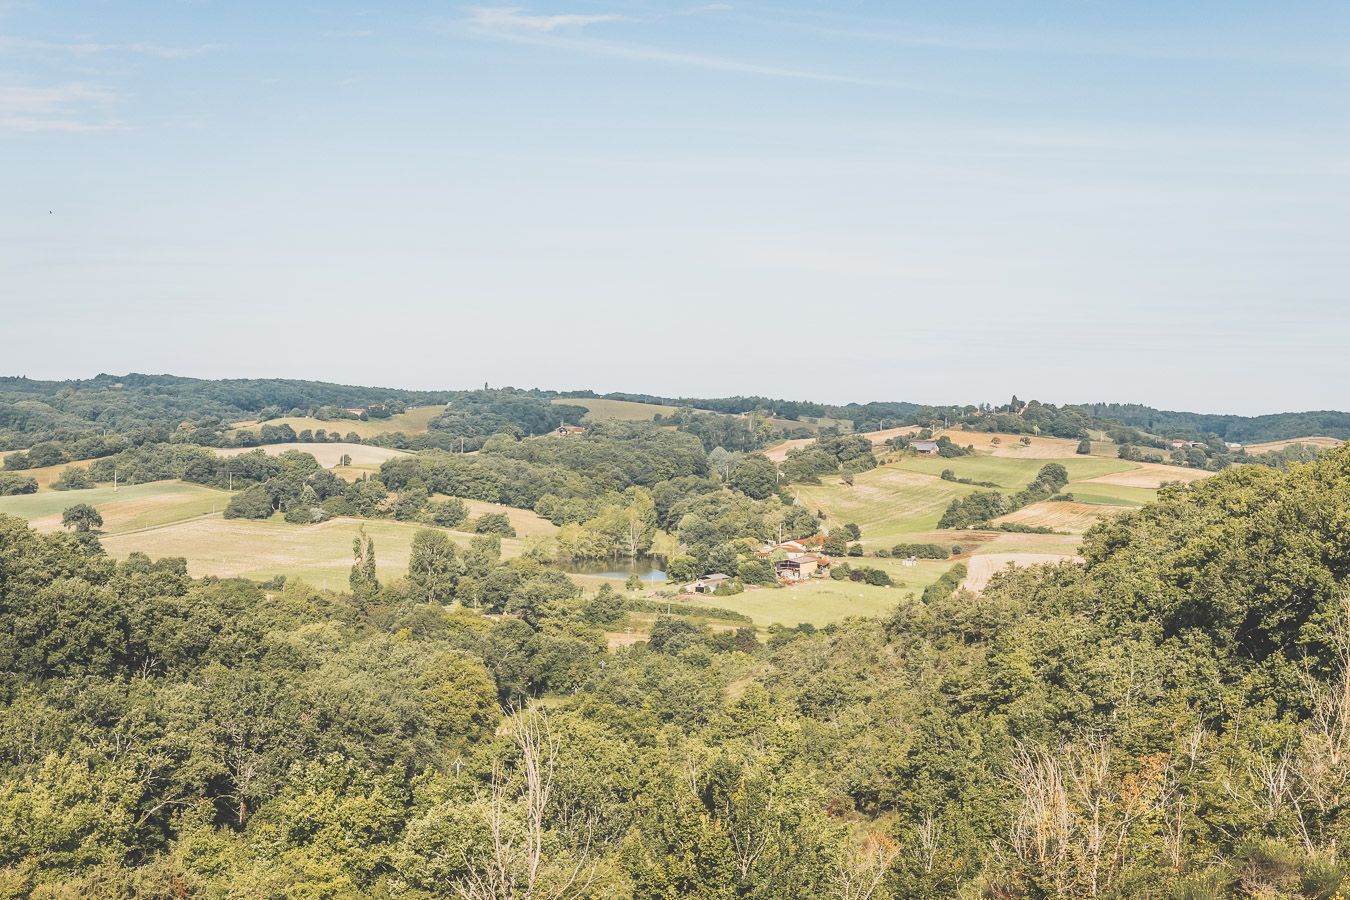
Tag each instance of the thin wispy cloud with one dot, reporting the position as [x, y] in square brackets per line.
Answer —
[513, 18]
[661, 55]
[18, 45]
[67, 107]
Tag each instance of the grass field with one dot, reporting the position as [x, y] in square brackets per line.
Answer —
[127, 509]
[327, 454]
[414, 421]
[601, 410]
[887, 503]
[822, 601]
[1012, 474]
[319, 554]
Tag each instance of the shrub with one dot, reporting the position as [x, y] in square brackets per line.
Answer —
[73, 478]
[920, 551]
[447, 513]
[946, 585]
[494, 523]
[11, 484]
[251, 503]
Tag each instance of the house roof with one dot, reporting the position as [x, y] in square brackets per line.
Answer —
[716, 576]
[924, 445]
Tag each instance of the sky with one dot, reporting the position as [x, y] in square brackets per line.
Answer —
[848, 201]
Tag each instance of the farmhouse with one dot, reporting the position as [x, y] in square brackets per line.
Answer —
[564, 429]
[708, 583]
[801, 567]
[928, 448]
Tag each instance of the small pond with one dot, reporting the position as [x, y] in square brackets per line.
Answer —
[646, 569]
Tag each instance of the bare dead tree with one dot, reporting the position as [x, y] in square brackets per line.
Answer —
[865, 867]
[517, 866]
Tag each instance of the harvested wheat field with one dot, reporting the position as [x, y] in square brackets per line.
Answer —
[1326, 443]
[328, 455]
[982, 568]
[1061, 515]
[1149, 475]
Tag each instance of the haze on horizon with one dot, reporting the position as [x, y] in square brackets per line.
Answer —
[865, 201]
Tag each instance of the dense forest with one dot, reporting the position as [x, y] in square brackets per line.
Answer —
[59, 421]
[1168, 719]
[1238, 429]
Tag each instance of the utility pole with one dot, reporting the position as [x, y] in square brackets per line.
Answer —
[114, 479]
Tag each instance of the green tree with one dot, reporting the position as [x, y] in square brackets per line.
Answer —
[494, 523]
[81, 517]
[73, 478]
[433, 566]
[450, 513]
[11, 484]
[755, 476]
[362, 580]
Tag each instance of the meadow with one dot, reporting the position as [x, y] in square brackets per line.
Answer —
[320, 555]
[127, 509]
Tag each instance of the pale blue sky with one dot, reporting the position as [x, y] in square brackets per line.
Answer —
[938, 202]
